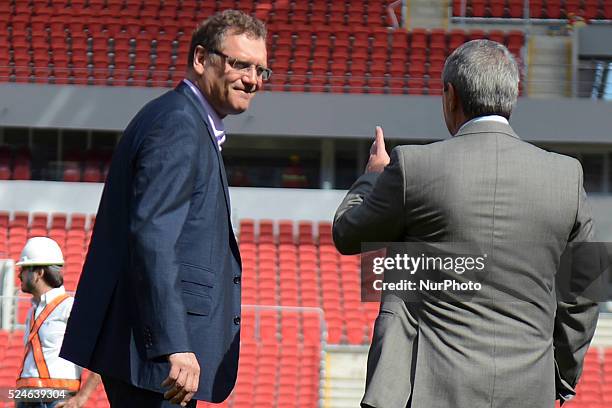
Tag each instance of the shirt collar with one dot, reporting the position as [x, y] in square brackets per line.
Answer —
[214, 121]
[492, 118]
[50, 295]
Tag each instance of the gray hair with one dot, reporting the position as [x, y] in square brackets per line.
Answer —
[53, 275]
[211, 33]
[485, 77]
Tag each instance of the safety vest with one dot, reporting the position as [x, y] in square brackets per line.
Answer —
[43, 380]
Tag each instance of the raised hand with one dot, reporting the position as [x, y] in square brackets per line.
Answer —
[379, 158]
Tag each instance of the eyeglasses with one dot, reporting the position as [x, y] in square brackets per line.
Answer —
[244, 66]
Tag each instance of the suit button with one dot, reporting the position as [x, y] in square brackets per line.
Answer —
[236, 280]
[237, 320]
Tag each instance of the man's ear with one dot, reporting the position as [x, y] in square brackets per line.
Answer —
[199, 59]
[39, 272]
[451, 96]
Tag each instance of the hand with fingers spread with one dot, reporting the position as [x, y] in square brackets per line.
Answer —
[183, 378]
[379, 158]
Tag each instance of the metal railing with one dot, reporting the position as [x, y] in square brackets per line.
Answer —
[527, 17]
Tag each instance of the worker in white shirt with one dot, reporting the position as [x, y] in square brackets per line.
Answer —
[55, 382]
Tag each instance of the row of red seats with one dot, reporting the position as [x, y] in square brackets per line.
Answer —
[56, 220]
[309, 276]
[275, 253]
[270, 374]
[91, 167]
[91, 173]
[14, 165]
[375, 62]
[295, 263]
[284, 232]
[288, 374]
[71, 233]
[20, 16]
[549, 9]
[595, 387]
[72, 172]
[334, 58]
[367, 13]
[302, 269]
[316, 12]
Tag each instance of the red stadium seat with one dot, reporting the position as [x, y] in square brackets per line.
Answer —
[515, 8]
[497, 8]
[607, 10]
[572, 7]
[497, 36]
[516, 39]
[553, 9]
[437, 39]
[457, 37]
[39, 220]
[286, 232]
[591, 9]
[20, 220]
[478, 8]
[477, 35]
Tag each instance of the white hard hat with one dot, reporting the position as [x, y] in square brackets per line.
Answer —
[41, 251]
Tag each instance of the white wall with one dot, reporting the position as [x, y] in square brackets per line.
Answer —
[247, 202]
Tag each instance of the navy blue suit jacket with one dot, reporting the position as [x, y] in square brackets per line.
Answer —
[162, 274]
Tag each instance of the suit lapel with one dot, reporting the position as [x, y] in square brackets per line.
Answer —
[183, 89]
[223, 176]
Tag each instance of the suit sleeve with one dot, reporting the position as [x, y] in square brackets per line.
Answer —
[576, 318]
[164, 176]
[372, 211]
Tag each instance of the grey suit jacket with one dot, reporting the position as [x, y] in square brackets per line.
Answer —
[482, 186]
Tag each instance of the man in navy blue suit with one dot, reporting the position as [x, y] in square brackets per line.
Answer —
[157, 309]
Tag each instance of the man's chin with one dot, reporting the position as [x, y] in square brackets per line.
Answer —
[238, 109]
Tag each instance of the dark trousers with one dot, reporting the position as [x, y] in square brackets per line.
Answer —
[123, 395]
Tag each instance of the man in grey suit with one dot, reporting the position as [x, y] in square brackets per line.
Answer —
[520, 346]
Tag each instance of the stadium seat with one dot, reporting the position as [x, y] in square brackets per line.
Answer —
[4, 219]
[515, 8]
[92, 174]
[553, 9]
[78, 221]
[478, 8]
[5, 171]
[285, 235]
[591, 9]
[305, 232]
[266, 231]
[496, 8]
[134, 44]
[247, 231]
[607, 10]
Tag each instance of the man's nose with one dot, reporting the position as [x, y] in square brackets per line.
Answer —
[252, 75]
